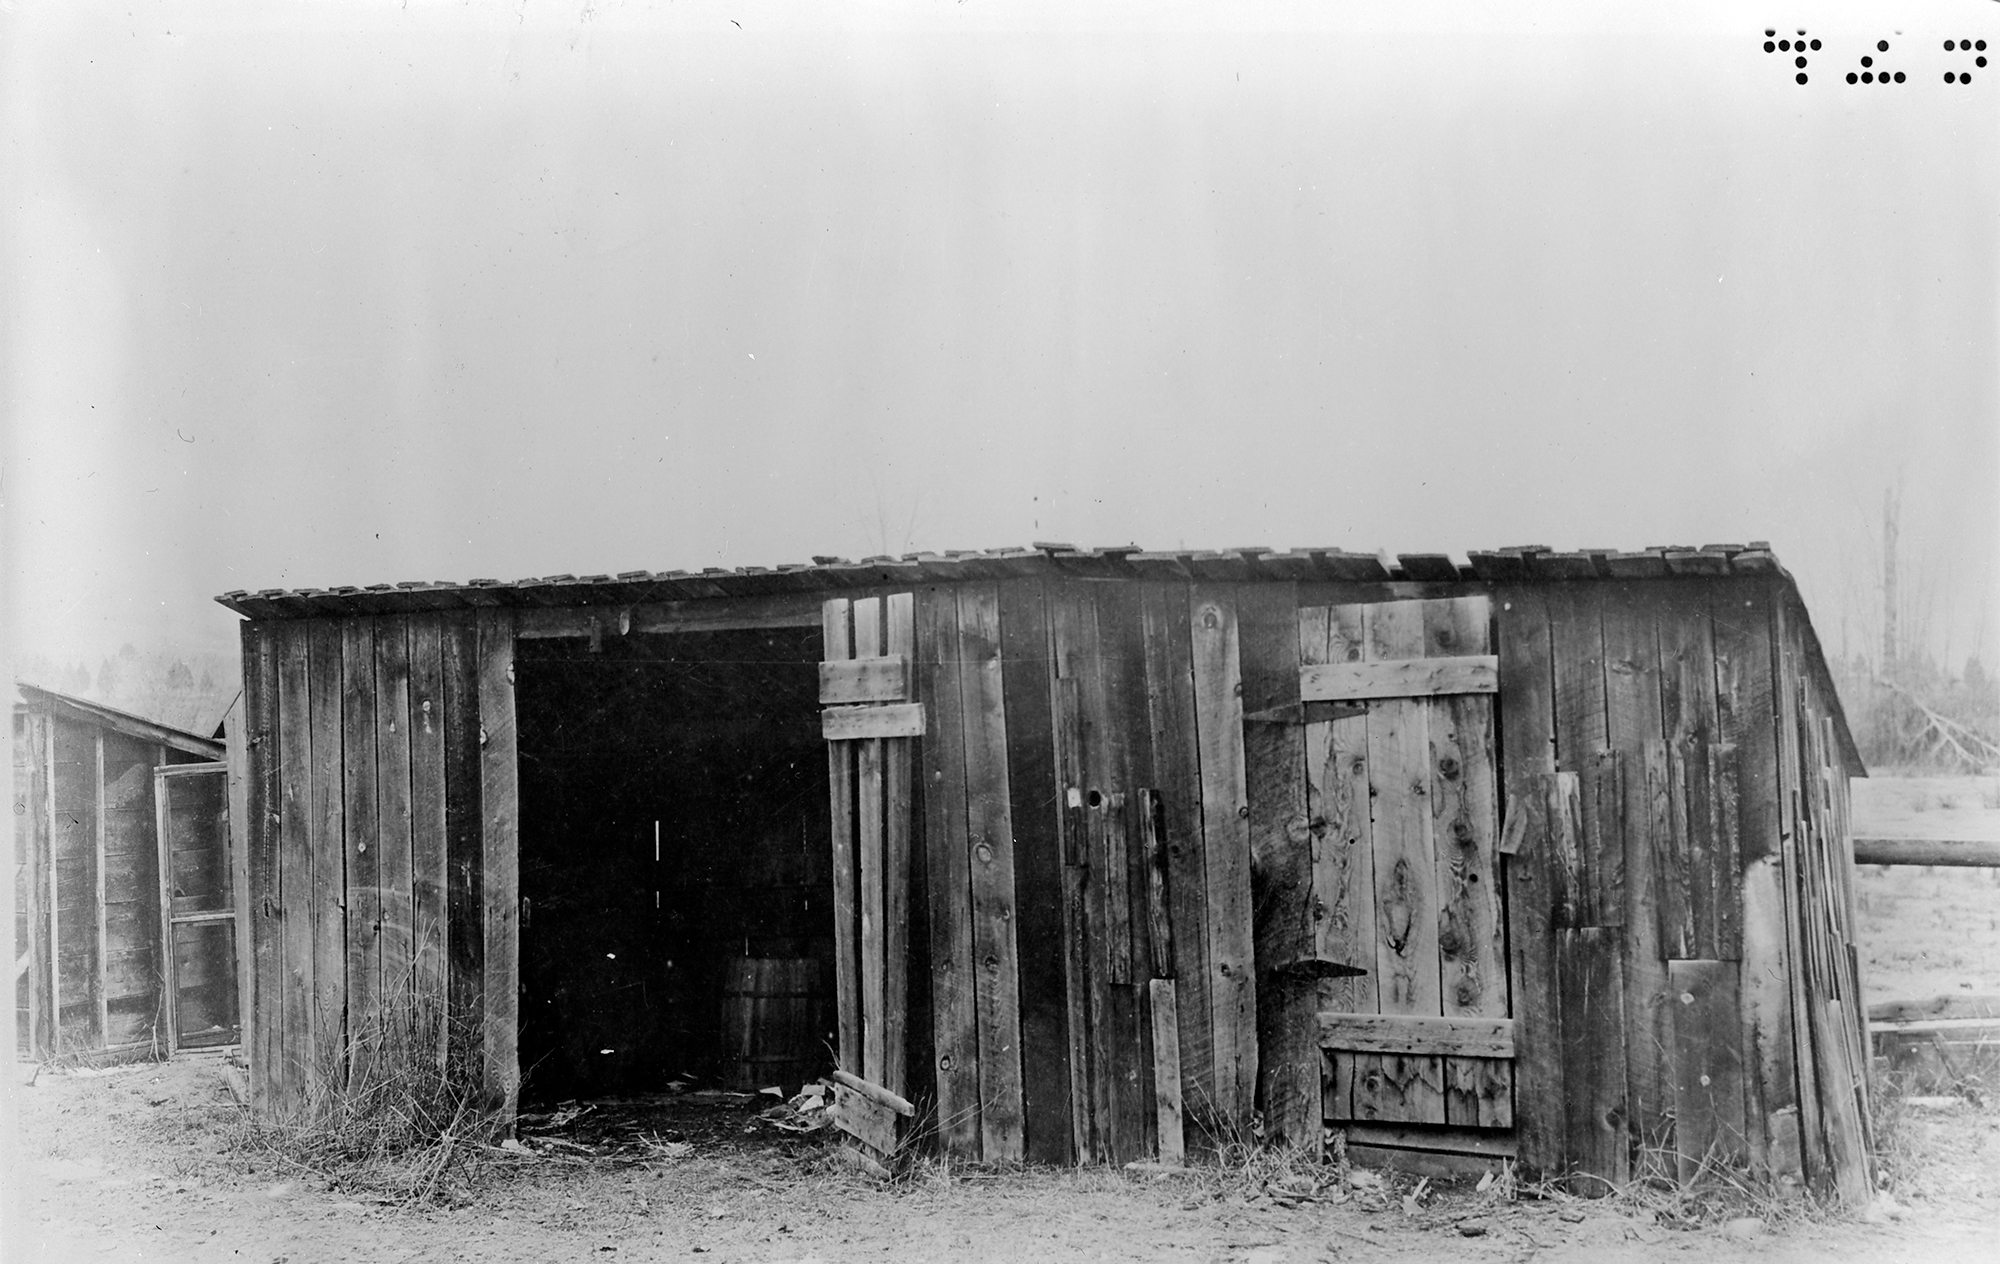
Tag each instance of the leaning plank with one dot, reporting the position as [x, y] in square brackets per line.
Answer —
[500, 851]
[876, 1093]
[837, 644]
[882, 678]
[1414, 1034]
[954, 1017]
[865, 1119]
[1166, 1070]
[1590, 978]
[1409, 1088]
[1840, 1103]
[1226, 839]
[897, 719]
[1413, 678]
[1707, 1067]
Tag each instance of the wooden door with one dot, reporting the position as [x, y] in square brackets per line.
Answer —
[197, 905]
[1398, 710]
[870, 720]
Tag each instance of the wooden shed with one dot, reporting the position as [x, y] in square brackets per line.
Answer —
[125, 929]
[1102, 854]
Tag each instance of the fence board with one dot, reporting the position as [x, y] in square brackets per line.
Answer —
[326, 844]
[990, 834]
[1590, 977]
[500, 810]
[1388, 1086]
[837, 644]
[1707, 1067]
[953, 1014]
[392, 816]
[429, 969]
[868, 856]
[1035, 810]
[261, 900]
[465, 869]
[1344, 868]
[1226, 842]
[363, 896]
[899, 639]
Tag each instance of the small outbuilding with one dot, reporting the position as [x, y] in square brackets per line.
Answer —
[1092, 855]
[125, 923]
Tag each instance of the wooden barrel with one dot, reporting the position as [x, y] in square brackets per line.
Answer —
[774, 1013]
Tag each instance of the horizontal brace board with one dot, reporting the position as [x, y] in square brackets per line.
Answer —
[875, 1093]
[212, 915]
[1968, 853]
[1400, 678]
[901, 719]
[882, 679]
[865, 1119]
[1416, 1034]
[1489, 1142]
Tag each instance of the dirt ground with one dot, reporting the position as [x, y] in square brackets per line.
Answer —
[147, 1163]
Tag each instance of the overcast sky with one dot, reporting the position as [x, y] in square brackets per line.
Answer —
[322, 294]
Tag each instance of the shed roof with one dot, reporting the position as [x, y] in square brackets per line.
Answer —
[1526, 562]
[85, 711]
[1514, 564]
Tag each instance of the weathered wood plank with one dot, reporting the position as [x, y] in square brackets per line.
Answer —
[96, 986]
[1590, 976]
[1073, 825]
[363, 852]
[326, 843]
[1343, 866]
[1175, 777]
[1576, 636]
[1707, 1067]
[1396, 1087]
[1281, 866]
[1098, 760]
[1770, 1081]
[865, 1119]
[1746, 709]
[896, 719]
[1632, 731]
[898, 807]
[1124, 743]
[954, 1017]
[868, 854]
[291, 913]
[237, 746]
[1794, 849]
[500, 846]
[424, 719]
[465, 943]
[392, 821]
[1720, 884]
[877, 678]
[1527, 737]
[1688, 722]
[837, 644]
[1152, 828]
[1410, 678]
[1166, 1070]
[1226, 844]
[1479, 1092]
[1416, 1034]
[990, 834]
[1840, 1104]
[1036, 812]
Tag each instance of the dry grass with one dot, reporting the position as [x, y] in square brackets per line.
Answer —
[387, 1116]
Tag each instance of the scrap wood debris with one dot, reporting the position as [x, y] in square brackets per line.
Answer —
[809, 1111]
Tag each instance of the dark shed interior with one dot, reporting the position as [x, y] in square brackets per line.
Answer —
[676, 901]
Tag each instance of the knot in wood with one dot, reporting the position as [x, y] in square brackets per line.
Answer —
[985, 853]
[1448, 767]
[1461, 829]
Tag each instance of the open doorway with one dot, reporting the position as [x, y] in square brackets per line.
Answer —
[674, 863]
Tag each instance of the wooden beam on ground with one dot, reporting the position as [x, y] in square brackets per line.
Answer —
[1960, 852]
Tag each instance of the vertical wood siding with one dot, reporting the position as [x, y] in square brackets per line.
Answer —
[367, 844]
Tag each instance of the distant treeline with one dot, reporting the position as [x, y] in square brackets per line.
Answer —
[1918, 717]
[184, 690]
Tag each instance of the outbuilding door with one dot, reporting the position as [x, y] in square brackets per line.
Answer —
[870, 719]
[1398, 710]
[197, 905]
